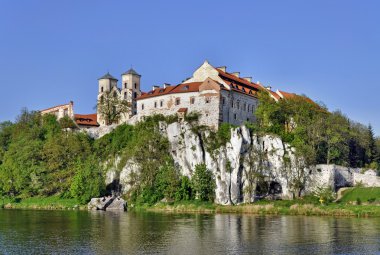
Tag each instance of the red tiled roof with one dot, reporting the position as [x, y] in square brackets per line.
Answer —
[275, 95]
[228, 78]
[180, 88]
[287, 95]
[182, 110]
[86, 119]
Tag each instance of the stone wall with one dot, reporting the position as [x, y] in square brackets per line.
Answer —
[238, 108]
[61, 111]
[335, 177]
[206, 103]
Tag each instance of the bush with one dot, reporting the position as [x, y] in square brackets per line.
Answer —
[203, 183]
[185, 191]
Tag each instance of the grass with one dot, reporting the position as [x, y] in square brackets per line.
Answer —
[50, 203]
[361, 195]
[305, 206]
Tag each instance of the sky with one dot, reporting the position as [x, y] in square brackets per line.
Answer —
[52, 52]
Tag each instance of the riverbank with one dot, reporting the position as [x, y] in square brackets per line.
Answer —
[355, 202]
[42, 203]
[269, 208]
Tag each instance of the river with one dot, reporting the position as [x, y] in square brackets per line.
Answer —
[82, 232]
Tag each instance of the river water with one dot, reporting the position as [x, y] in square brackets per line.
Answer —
[82, 232]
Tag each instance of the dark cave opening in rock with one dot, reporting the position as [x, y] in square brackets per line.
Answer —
[268, 188]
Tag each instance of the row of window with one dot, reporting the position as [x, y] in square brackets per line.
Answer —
[244, 106]
[125, 85]
[177, 102]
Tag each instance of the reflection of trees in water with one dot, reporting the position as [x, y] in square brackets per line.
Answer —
[106, 232]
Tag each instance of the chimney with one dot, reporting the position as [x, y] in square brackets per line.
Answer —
[268, 88]
[248, 79]
[237, 74]
[166, 85]
[222, 68]
[155, 87]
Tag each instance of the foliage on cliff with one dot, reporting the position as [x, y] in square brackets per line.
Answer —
[39, 156]
[320, 136]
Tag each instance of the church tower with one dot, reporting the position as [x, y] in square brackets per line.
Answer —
[105, 84]
[130, 88]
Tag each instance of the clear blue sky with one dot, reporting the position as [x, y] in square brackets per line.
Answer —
[52, 52]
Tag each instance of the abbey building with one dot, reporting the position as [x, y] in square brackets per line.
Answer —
[215, 94]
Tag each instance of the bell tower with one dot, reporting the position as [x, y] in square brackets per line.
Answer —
[105, 84]
[130, 88]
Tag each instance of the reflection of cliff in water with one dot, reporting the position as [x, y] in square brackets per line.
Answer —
[98, 232]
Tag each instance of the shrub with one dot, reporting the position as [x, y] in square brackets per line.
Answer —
[203, 183]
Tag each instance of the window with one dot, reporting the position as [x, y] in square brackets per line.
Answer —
[238, 104]
[125, 85]
[253, 108]
[235, 116]
[232, 103]
[101, 89]
[65, 112]
[245, 107]
[135, 85]
[142, 107]
[125, 95]
[114, 94]
[192, 100]
[134, 94]
[101, 99]
[248, 108]
[223, 100]
[208, 100]
[155, 104]
[161, 103]
[177, 101]
[185, 87]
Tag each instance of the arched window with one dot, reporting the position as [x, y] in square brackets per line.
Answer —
[135, 85]
[134, 94]
[238, 104]
[125, 95]
[161, 103]
[142, 107]
[125, 85]
[101, 89]
[155, 104]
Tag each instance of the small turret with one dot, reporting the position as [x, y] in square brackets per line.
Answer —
[106, 82]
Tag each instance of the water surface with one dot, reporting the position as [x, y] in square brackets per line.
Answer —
[82, 232]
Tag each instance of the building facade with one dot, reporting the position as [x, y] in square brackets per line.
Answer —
[215, 94]
[218, 96]
[129, 91]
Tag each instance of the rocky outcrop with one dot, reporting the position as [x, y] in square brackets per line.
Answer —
[245, 156]
[107, 204]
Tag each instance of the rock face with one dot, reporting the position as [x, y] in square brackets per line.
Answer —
[245, 156]
[107, 204]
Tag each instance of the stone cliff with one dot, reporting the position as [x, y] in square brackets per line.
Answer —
[246, 167]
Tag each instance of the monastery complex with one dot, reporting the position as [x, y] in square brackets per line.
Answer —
[215, 94]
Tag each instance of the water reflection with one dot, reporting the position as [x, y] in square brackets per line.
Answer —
[73, 232]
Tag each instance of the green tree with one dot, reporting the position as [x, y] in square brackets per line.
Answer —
[88, 181]
[111, 107]
[203, 183]
[185, 191]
